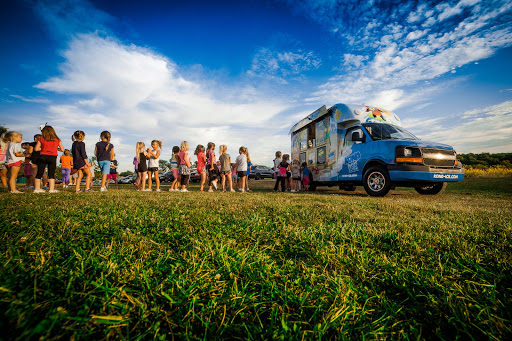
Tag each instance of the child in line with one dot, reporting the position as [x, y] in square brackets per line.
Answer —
[184, 166]
[142, 170]
[211, 166]
[201, 164]
[225, 169]
[277, 162]
[13, 157]
[3, 166]
[34, 156]
[65, 168]
[284, 168]
[249, 168]
[234, 176]
[174, 168]
[288, 173]
[104, 152]
[113, 172]
[136, 183]
[27, 167]
[80, 161]
[296, 176]
[154, 158]
[241, 167]
[49, 144]
[305, 176]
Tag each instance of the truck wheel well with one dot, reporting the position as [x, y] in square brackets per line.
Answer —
[374, 163]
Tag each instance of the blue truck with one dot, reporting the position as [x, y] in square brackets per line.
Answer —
[353, 145]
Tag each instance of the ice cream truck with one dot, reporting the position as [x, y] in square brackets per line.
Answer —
[354, 145]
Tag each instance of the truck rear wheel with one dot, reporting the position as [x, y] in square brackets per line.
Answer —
[376, 181]
[431, 189]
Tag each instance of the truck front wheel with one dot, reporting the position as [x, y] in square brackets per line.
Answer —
[376, 181]
[431, 189]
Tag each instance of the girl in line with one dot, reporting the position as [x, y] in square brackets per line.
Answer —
[241, 167]
[154, 158]
[184, 167]
[104, 152]
[136, 183]
[284, 168]
[288, 173]
[211, 166]
[142, 157]
[13, 157]
[80, 161]
[225, 168]
[65, 168]
[48, 145]
[277, 162]
[34, 156]
[174, 168]
[3, 165]
[201, 164]
[305, 176]
[249, 167]
[296, 176]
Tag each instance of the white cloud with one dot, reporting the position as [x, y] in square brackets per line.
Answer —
[283, 64]
[140, 95]
[31, 100]
[481, 130]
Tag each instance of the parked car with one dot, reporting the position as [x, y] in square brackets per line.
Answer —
[261, 172]
[166, 176]
[194, 177]
[128, 179]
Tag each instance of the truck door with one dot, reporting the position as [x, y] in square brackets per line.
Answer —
[352, 155]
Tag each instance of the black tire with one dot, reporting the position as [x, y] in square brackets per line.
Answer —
[257, 177]
[432, 189]
[348, 188]
[376, 181]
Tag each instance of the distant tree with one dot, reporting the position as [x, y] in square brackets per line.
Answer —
[3, 129]
[164, 165]
[126, 173]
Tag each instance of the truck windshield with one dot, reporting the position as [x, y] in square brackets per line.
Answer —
[380, 131]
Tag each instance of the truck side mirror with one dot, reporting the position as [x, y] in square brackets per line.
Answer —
[356, 137]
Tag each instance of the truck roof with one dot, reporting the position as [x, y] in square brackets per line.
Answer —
[349, 114]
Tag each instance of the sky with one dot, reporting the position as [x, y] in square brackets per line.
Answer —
[243, 72]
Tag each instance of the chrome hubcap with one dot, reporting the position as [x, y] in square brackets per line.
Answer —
[376, 181]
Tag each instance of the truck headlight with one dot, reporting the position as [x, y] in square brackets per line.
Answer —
[407, 152]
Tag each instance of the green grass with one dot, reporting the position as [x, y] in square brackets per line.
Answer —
[264, 265]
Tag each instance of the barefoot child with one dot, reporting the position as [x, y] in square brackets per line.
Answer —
[241, 167]
[174, 168]
[80, 161]
[14, 157]
[201, 164]
[225, 168]
[184, 166]
[154, 158]
[142, 157]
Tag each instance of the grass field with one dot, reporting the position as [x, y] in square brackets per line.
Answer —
[262, 265]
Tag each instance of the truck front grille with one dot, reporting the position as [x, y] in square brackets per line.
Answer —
[439, 163]
[435, 157]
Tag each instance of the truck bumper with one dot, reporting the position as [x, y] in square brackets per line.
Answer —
[399, 173]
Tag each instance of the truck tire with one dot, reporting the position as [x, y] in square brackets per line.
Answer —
[257, 176]
[348, 188]
[431, 189]
[376, 181]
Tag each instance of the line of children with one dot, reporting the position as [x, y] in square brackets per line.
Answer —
[42, 154]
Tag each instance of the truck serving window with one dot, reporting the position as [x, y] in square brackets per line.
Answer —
[381, 131]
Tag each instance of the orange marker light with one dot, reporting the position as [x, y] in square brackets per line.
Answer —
[409, 159]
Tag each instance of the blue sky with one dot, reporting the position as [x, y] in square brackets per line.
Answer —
[243, 72]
